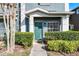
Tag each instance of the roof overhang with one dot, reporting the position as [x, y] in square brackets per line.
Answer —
[47, 12]
[75, 9]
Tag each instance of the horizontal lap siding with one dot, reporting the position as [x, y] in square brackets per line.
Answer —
[58, 7]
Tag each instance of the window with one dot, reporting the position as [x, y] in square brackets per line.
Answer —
[77, 11]
[1, 20]
[53, 26]
[71, 26]
[44, 24]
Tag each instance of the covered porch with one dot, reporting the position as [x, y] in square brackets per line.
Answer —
[41, 21]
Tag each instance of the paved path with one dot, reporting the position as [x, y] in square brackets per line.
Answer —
[37, 50]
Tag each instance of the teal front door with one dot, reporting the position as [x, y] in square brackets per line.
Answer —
[38, 30]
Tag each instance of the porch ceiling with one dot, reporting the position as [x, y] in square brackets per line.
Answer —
[47, 12]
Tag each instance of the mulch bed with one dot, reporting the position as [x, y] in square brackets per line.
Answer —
[2, 46]
[19, 51]
[53, 53]
[71, 54]
[2, 50]
[19, 48]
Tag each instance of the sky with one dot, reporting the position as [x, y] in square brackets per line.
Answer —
[73, 5]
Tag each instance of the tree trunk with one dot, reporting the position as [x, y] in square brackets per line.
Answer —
[8, 34]
[9, 22]
[6, 26]
[14, 19]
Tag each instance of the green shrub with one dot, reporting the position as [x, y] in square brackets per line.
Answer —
[69, 46]
[63, 41]
[63, 45]
[54, 45]
[68, 35]
[24, 38]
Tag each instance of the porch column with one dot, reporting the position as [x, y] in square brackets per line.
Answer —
[23, 25]
[31, 24]
[65, 23]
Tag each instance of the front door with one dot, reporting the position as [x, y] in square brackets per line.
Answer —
[38, 30]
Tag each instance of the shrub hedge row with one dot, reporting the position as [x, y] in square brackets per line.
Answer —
[63, 45]
[63, 41]
[24, 38]
[68, 35]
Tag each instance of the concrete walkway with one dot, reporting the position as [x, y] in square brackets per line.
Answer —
[37, 50]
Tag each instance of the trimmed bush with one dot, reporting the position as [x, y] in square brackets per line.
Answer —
[54, 45]
[69, 46]
[63, 45]
[68, 35]
[63, 41]
[24, 38]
